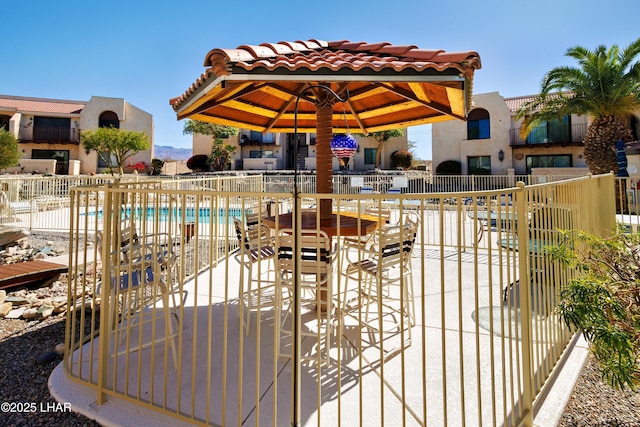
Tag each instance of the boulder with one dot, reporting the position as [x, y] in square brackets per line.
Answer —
[12, 234]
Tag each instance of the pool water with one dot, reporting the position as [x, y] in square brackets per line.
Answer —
[201, 215]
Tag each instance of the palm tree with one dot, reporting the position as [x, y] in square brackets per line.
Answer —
[605, 85]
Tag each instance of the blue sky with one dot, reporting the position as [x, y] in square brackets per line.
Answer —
[150, 51]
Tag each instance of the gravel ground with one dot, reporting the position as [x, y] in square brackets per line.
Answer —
[593, 403]
[23, 380]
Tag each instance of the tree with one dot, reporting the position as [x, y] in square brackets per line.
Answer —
[221, 152]
[114, 146]
[604, 301]
[411, 147]
[9, 152]
[382, 137]
[605, 86]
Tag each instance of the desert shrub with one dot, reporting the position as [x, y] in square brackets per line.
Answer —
[602, 302]
[156, 166]
[449, 167]
[199, 162]
[401, 159]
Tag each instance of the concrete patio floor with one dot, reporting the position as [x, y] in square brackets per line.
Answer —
[358, 373]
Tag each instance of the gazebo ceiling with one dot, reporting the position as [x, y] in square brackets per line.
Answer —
[256, 87]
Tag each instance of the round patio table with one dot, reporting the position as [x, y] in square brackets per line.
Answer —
[347, 225]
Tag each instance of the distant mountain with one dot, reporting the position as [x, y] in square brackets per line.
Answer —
[164, 152]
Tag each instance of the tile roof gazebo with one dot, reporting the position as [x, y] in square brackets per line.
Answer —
[294, 86]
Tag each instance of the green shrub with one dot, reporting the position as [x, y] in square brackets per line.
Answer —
[603, 302]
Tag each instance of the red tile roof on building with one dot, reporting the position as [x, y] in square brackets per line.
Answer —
[515, 103]
[335, 57]
[40, 105]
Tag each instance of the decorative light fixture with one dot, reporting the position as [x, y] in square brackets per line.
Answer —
[344, 146]
[501, 155]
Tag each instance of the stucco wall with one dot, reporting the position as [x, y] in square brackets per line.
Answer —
[131, 118]
[450, 141]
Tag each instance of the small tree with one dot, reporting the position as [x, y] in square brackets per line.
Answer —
[382, 137]
[114, 146]
[221, 152]
[9, 152]
[604, 302]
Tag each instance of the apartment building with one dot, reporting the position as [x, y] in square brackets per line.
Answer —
[48, 131]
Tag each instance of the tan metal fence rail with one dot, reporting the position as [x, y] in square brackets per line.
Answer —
[435, 309]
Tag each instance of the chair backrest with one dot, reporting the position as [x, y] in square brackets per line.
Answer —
[382, 212]
[250, 237]
[366, 189]
[253, 215]
[395, 245]
[313, 249]
[411, 218]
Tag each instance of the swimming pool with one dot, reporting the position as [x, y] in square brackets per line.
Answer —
[202, 215]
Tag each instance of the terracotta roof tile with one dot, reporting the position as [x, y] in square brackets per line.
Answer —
[336, 56]
[515, 103]
[40, 105]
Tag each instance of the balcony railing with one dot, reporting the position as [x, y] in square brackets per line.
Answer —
[49, 134]
[561, 135]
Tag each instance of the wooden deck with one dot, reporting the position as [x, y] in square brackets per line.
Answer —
[27, 273]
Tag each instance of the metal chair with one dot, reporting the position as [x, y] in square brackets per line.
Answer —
[141, 277]
[383, 299]
[359, 243]
[313, 249]
[256, 246]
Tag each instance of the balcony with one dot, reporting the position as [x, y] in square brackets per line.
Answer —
[570, 134]
[50, 134]
[256, 138]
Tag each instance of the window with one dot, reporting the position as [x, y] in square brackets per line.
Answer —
[4, 122]
[553, 161]
[370, 156]
[109, 119]
[553, 131]
[261, 154]
[478, 124]
[51, 129]
[103, 164]
[61, 157]
[259, 137]
[480, 165]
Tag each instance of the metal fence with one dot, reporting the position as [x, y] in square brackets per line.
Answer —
[432, 309]
[41, 202]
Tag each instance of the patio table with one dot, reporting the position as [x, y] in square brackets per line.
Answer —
[347, 224]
